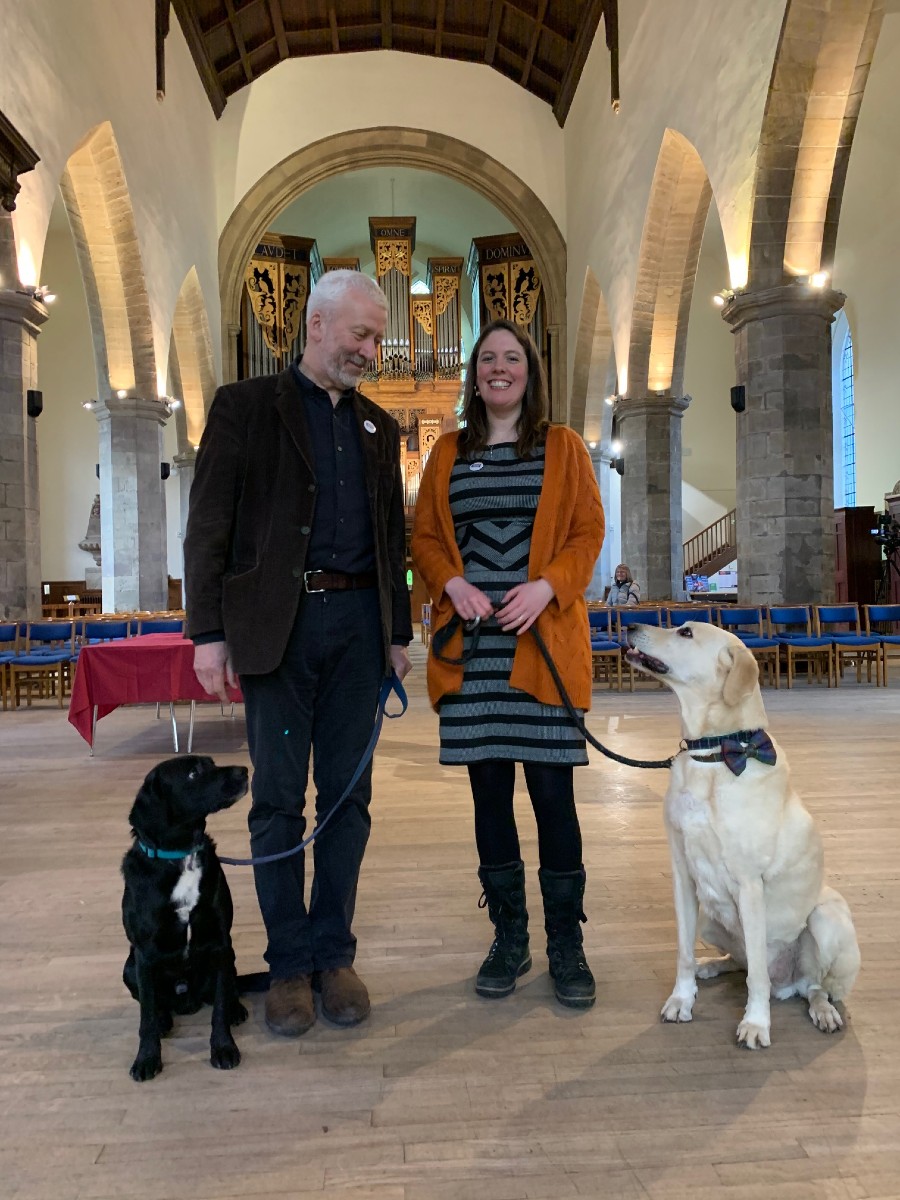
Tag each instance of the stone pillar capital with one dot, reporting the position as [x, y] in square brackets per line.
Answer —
[657, 404]
[786, 299]
[22, 307]
[132, 406]
[185, 459]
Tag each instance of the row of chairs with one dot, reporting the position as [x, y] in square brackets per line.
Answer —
[826, 637]
[38, 658]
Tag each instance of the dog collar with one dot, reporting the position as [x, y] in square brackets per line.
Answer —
[734, 749]
[152, 852]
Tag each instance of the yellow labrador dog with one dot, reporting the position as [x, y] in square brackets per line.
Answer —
[743, 846]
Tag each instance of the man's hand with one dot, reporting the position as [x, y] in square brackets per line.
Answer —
[400, 661]
[468, 601]
[523, 604]
[212, 666]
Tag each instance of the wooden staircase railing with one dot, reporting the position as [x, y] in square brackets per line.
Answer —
[712, 548]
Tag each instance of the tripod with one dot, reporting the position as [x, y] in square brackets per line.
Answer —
[889, 563]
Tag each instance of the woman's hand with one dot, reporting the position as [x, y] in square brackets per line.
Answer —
[468, 601]
[523, 604]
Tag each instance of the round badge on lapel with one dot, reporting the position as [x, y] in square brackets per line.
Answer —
[476, 466]
[368, 426]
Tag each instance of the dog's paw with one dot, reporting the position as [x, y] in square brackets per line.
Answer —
[824, 1015]
[146, 1066]
[224, 1057]
[237, 1014]
[678, 1008]
[753, 1035]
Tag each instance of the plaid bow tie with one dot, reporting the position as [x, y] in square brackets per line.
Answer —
[736, 752]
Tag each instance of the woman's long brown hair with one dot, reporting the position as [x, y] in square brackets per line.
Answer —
[533, 423]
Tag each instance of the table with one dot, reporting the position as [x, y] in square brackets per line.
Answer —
[154, 668]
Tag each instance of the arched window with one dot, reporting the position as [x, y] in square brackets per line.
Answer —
[843, 413]
[848, 423]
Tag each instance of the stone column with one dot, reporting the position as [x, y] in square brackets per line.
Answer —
[184, 464]
[649, 428]
[785, 475]
[132, 503]
[21, 317]
[602, 570]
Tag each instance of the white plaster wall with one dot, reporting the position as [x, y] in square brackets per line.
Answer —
[66, 432]
[701, 67]
[304, 100]
[68, 65]
[866, 260]
[709, 431]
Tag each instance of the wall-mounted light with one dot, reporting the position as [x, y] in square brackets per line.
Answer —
[616, 447]
[818, 279]
[165, 470]
[739, 398]
[88, 404]
[34, 402]
[610, 401]
[121, 393]
[592, 445]
[40, 293]
[720, 299]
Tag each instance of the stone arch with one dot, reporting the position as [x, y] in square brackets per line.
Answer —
[670, 247]
[590, 370]
[818, 79]
[397, 146]
[101, 217]
[191, 361]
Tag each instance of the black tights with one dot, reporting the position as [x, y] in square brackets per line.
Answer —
[551, 790]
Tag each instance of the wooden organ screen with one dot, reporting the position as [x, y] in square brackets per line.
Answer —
[506, 283]
[393, 240]
[340, 264]
[444, 277]
[277, 282]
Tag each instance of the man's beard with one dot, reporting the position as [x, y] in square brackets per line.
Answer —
[347, 370]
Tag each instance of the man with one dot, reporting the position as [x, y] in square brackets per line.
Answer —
[295, 573]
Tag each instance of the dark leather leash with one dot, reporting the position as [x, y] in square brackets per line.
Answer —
[389, 685]
[442, 636]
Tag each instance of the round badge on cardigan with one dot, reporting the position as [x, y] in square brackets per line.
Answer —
[476, 466]
[368, 426]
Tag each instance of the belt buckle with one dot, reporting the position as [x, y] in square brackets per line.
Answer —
[306, 587]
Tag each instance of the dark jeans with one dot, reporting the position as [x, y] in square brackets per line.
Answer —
[322, 698]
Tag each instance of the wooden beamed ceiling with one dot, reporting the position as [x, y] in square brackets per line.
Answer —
[542, 45]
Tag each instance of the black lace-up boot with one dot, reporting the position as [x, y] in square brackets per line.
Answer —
[563, 893]
[509, 956]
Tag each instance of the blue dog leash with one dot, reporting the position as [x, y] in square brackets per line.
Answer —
[392, 684]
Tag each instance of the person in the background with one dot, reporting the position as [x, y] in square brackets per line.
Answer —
[295, 568]
[624, 590]
[508, 518]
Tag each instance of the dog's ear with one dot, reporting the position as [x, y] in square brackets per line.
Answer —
[144, 813]
[742, 677]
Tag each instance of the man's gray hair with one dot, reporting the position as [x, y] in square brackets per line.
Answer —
[334, 286]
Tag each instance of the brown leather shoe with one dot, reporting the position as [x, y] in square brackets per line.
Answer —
[345, 1000]
[290, 1008]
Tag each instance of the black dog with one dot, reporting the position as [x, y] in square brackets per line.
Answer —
[177, 908]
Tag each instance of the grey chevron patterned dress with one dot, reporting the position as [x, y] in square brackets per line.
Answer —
[493, 502]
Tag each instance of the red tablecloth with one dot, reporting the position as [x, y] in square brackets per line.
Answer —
[156, 667]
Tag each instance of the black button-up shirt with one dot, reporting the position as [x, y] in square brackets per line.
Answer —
[341, 536]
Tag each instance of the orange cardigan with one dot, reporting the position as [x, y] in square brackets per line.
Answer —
[565, 545]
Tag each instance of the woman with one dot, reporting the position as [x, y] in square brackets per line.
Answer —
[624, 590]
[508, 518]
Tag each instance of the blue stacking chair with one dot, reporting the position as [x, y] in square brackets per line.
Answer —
[747, 624]
[625, 618]
[9, 652]
[848, 643]
[791, 626]
[160, 625]
[44, 664]
[887, 616]
[606, 652]
[695, 612]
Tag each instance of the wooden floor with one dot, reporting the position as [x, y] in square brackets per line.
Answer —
[441, 1095]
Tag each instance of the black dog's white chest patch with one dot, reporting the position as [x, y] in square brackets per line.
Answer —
[186, 892]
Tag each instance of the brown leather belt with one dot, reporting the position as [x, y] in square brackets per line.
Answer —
[335, 581]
